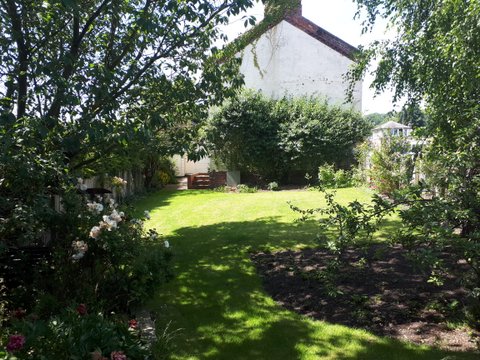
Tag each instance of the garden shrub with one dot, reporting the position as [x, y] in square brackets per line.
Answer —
[103, 259]
[326, 176]
[329, 178]
[271, 138]
[115, 263]
[244, 135]
[343, 178]
[273, 186]
[243, 188]
[74, 334]
[159, 171]
[27, 186]
[109, 253]
[341, 226]
[392, 165]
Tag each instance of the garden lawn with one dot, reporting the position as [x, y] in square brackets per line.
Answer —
[216, 299]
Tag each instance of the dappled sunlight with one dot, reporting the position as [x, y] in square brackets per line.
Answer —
[217, 297]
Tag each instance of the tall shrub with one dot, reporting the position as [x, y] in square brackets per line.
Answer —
[392, 165]
[273, 137]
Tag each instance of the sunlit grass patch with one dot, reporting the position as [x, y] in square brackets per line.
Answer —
[217, 297]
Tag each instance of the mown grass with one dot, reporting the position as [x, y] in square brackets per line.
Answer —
[216, 298]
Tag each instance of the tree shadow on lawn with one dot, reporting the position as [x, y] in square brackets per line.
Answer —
[218, 301]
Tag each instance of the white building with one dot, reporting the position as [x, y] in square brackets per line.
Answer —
[296, 57]
[390, 128]
[292, 56]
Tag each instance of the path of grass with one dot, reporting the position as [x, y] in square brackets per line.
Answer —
[217, 298]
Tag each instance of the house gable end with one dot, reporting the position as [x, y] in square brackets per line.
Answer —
[293, 17]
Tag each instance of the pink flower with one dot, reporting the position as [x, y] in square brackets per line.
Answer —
[118, 355]
[133, 324]
[15, 342]
[82, 309]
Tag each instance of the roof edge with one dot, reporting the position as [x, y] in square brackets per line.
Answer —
[391, 125]
[296, 19]
[322, 35]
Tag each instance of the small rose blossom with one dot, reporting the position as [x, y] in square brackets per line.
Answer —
[15, 342]
[80, 246]
[133, 324]
[82, 309]
[108, 223]
[118, 181]
[95, 232]
[118, 355]
[95, 207]
[166, 244]
[115, 216]
[78, 256]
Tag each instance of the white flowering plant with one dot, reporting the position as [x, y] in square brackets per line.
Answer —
[118, 181]
[115, 262]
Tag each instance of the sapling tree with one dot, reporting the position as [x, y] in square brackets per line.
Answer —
[349, 223]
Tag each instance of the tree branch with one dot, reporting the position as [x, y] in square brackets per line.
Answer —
[22, 69]
[158, 54]
[95, 158]
[77, 38]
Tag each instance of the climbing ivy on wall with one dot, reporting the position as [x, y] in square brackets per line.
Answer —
[275, 11]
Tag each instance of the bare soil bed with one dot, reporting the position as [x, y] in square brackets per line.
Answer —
[378, 289]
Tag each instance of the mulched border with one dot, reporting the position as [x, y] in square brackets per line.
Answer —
[378, 288]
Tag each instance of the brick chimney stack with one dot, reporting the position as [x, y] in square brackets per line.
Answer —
[288, 7]
[297, 10]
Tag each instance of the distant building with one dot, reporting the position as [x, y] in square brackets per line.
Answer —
[390, 128]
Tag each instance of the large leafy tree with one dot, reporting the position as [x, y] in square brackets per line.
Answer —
[85, 84]
[435, 59]
[74, 69]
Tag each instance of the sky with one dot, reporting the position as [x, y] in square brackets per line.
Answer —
[337, 17]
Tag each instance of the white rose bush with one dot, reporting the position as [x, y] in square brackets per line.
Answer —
[115, 262]
[104, 263]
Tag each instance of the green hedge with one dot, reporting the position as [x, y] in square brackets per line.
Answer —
[271, 138]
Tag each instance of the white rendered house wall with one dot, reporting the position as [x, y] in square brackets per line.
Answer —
[287, 61]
